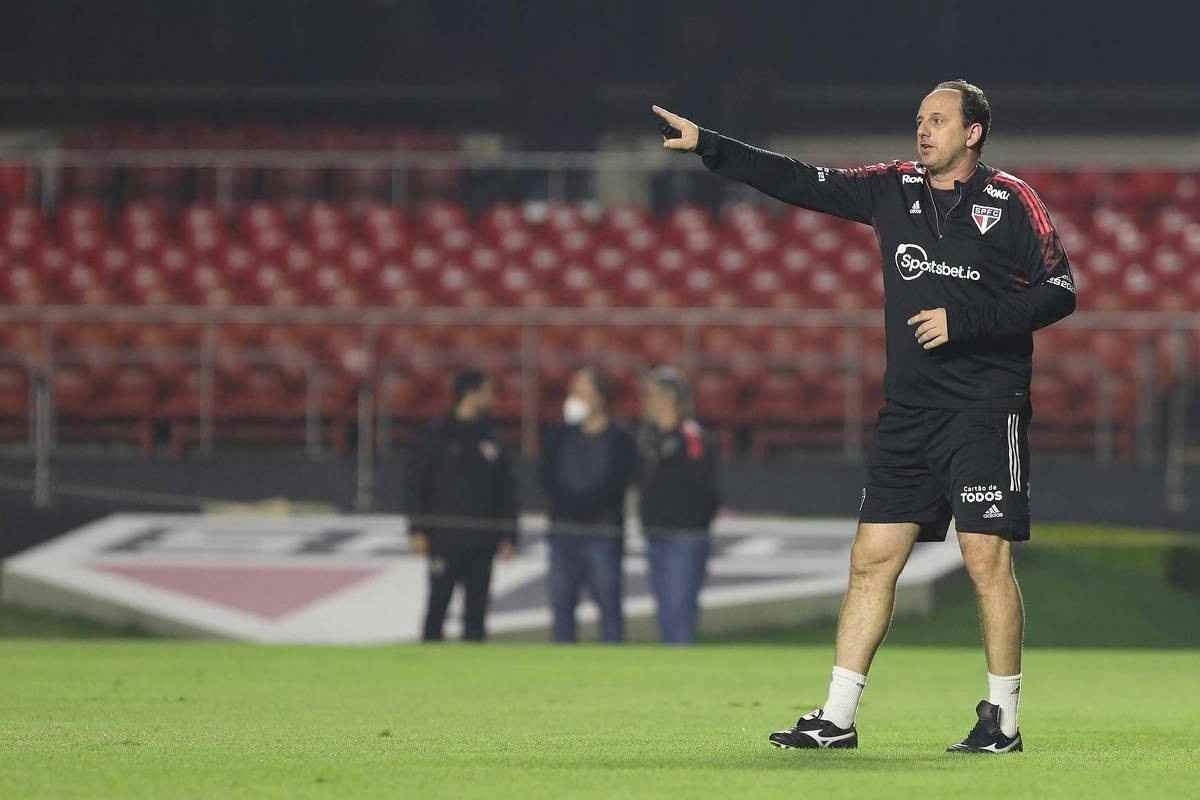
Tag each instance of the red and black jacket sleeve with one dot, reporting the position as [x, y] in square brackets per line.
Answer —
[846, 193]
[1043, 289]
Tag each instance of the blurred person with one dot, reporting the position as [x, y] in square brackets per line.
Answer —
[678, 498]
[972, 266]
[464, 506]
[587, 466]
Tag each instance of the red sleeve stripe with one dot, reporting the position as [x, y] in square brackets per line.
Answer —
[869, 169]
[1033, 204]
[1038, 214]
[875, 169]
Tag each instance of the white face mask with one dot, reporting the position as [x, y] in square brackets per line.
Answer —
[575, 410]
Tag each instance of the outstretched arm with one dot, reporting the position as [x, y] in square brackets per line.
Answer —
[844, 193]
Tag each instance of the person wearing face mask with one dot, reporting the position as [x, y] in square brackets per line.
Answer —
[464, 510]
[677, 484]
[587, 466]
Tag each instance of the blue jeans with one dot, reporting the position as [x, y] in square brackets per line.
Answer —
[594, 562]
[678, 564]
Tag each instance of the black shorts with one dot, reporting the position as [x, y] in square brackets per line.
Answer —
[928, 465]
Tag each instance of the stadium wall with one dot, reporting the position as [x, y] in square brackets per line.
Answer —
[1064, 490]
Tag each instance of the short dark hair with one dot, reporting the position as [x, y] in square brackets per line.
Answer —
[605, 386]
[975, 106]
[467, 381]
[673, 381]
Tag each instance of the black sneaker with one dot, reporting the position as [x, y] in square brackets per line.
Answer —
[986, 736]
[814, 731]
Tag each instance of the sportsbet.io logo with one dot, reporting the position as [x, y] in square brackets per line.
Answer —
[912, 262]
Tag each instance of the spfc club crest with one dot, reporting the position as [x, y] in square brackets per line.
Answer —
[985, 217]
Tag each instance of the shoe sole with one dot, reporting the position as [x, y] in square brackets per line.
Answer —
[834, 746]
[1018, 748]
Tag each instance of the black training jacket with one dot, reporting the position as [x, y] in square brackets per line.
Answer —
[462, 490]
[599, 511]
[677, 480]
[994, 263]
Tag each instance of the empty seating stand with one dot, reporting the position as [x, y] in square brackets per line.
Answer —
[295, 244]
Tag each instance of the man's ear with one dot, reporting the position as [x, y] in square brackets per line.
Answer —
[974, 133]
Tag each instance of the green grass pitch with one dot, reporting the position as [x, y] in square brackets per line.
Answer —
[161, 720]
[1111, 706]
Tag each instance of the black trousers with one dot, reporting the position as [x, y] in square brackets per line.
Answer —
[471, 567]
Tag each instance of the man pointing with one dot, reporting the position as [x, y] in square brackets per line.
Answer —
[972, 266]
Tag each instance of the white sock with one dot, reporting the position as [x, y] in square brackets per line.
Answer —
[845, 690]
[1005, 691]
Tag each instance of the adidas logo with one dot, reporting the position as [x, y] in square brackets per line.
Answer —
[916, 207]
[993, 513]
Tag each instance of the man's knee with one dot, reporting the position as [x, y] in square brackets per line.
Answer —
[988, 559]
[867, 567]
[880, 552]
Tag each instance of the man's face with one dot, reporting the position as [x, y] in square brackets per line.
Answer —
[583, 387]
[657, 402]
[941, 130]
[485, 397]
[480, 401]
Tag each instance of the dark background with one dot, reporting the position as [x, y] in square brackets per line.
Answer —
[556, 73]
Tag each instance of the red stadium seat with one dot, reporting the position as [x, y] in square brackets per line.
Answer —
[362, 186]
[624, 218]
[719, 402]
[161, 186]
[636, 286]
[576, 243]
[658, 345]
[14, 403]
[88, 182]
[795, 408]
[21, 285]
[688, 218]
[439, 216]
[74, 391]
[510, 391]
[643, 241]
